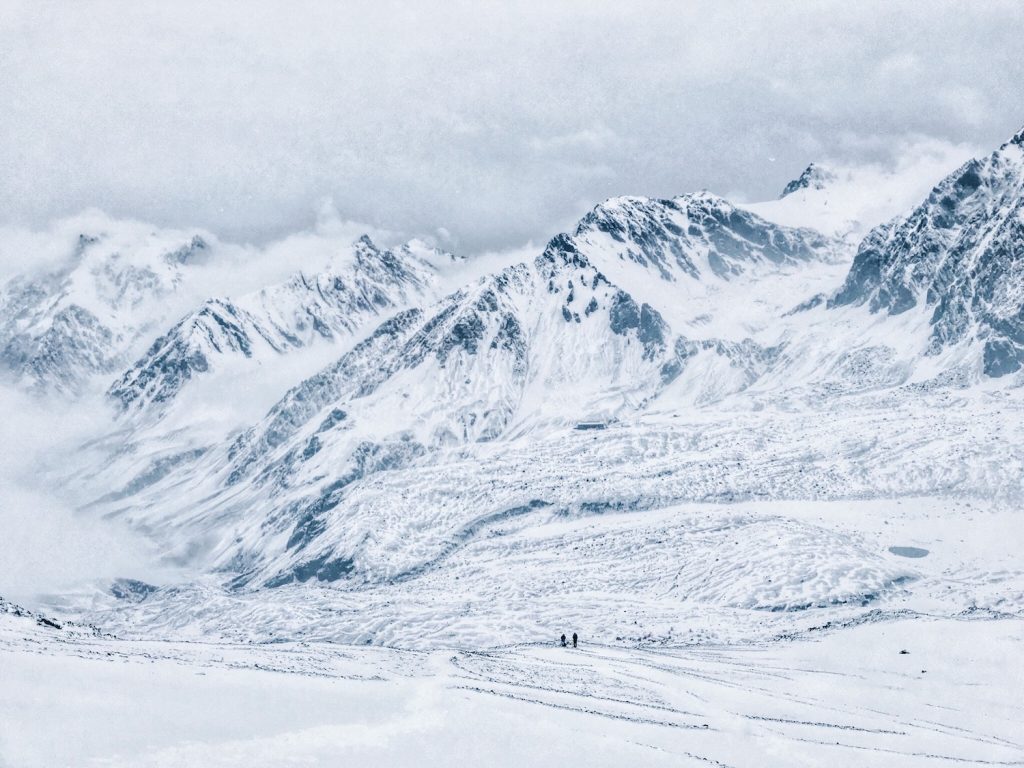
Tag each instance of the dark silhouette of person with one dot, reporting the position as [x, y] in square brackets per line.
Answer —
[574, 639]
[563, 639]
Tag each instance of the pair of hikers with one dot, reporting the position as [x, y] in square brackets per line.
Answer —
[575, 640]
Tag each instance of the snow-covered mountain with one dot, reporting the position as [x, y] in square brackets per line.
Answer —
[561, 342]
[661, 352]
[814, 177]
[693, 236]
[960, 254]
[690, 255]
[108, 291]
[80, 319]
[848, 201]
[272, 321]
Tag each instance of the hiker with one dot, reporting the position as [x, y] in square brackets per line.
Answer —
[563, 639]
[574, 639]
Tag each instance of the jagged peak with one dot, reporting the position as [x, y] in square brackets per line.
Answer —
[1017, 139]
[398, 262]
[414, 255]
[503, 281]
[618, 202]
[631, 206]
[956, 255]
[675, 237]
[616, 208]
[189, 253]
[703, 200]
[562, 251]
[364, 243]
[814, 176]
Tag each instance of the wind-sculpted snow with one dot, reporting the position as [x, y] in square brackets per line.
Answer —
[960, 255]
[394, 512]
[676, 571]
[686, 575]
[275, 320]
[652, 465]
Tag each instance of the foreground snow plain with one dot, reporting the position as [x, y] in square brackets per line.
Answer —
[841, 698]
[702, 669]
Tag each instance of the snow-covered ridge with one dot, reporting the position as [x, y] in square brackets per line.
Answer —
[515, 349]
[697, 235]
[275, 320]
[959, 254]
[548, 344]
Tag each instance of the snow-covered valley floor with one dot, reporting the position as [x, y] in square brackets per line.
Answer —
[701, 644]
[848, 697]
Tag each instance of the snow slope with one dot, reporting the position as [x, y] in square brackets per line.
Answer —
[918, 692]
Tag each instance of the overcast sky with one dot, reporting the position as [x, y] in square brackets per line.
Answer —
[496, 122]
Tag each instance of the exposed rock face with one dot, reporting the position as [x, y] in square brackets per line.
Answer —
[961, 255]
[552, 341]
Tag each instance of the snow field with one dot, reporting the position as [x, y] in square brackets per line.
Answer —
[690, 574]
[843, 698]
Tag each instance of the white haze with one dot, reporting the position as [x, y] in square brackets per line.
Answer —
[486, 124]
[859, 197]
[45, 545]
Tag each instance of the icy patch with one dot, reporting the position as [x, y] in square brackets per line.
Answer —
[909, 551]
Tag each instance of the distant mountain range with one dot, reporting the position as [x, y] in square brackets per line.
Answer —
[436, 398]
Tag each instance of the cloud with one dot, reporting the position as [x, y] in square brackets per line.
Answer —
[861, 195]
[46, 547]
[593, 139]
[493, 121]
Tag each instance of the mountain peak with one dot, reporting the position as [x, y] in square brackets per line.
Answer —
[814, 177]
[364, 242]
[703, 200]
